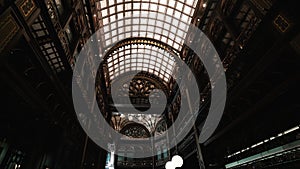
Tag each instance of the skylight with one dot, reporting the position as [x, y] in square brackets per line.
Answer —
[140, 57]
[163, 20]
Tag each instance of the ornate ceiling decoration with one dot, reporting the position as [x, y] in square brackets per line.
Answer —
[135, 130]
[144, 36]
[141, 89]
[144, 125]
[161, 127]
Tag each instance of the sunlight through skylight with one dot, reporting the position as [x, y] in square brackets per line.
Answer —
[140, 57]
[163, 20]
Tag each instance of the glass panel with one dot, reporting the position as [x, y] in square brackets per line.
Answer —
[141, 57]
[182, 10]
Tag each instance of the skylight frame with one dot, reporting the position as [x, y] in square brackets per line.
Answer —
[177, 17]
[141, 57]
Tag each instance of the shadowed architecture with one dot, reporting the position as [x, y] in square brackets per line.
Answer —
[258, 42]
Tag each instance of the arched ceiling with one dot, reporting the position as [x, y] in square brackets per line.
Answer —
[163, 20]
[141, 57]
[163, 24]
[154, 124]
[135, 130]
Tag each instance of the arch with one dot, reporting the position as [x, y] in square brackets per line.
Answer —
[141, 57]
[135, 130]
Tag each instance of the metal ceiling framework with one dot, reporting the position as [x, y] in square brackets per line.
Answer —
[121, 19]
[141, 57]
[145, 36]
[164, 21]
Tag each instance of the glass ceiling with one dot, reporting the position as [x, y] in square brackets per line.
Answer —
[141, 57]
[164, 20]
